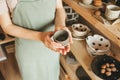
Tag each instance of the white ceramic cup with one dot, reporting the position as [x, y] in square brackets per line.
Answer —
[87, 2]
[62, 37]
[112, 12]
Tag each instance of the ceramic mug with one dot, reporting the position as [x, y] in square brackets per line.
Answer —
[87, 2]
[112, 12]
[62, 37]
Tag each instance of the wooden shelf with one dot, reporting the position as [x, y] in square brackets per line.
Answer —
[78, 49]
[70, 68]
[107, 31]
[7, 39]
[63, 75]
[115, 29]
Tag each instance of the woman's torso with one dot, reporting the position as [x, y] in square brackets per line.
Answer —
[36, 14]
[35, 60]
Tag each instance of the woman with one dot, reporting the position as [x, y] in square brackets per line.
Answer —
[37, 55]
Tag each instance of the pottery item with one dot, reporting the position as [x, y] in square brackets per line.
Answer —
[80, 30]
[97, 45]
[112, 12]
[97, 67]
[61, 36]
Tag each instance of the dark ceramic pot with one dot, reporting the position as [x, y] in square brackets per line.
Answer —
[98, 61]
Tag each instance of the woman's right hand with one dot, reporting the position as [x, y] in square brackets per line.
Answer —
[46, 39]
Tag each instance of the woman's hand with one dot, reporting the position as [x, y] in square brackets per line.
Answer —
[46, 39]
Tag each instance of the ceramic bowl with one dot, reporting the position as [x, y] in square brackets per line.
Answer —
[112, 12]
[97, 45]
[79, 30]
[97, 67]
[95, 53]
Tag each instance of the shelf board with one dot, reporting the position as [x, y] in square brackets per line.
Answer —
[7, 39]
[70, 68]
[63, 75]
[79, 51]
[115, 29]
[87, 15]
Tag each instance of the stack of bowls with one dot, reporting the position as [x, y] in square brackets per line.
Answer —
[97, 45]
[80, 31]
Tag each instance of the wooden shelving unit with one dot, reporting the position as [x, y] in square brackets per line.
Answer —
[111, 32]
[87, 15]
[78, 48]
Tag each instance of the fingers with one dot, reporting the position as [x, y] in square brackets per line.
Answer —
[67, 48]
[70, 37]
[63, 51]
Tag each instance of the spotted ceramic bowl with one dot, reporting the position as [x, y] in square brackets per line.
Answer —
[79, 30]
[97, 45]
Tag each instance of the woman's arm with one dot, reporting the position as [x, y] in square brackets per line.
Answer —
[17, 31]
[60, 23]
[20, 32]
[60, 18]
[60, 14]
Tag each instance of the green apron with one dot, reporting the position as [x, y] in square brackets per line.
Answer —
[35, 60]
